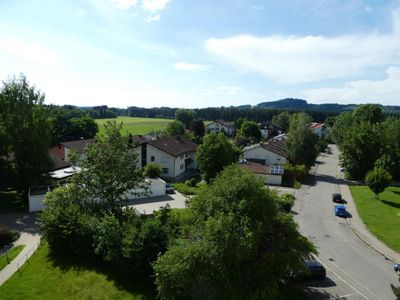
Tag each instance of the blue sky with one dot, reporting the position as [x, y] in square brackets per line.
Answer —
[186, 53]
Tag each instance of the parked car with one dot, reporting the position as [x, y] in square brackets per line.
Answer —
[336, 197]
[313, 270]
[340, 211]
[169, 189]
[397, 268]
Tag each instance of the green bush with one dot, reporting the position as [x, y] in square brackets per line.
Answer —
[152, 170]
[285, 202]
[7, 236]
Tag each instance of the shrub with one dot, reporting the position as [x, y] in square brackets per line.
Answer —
[152, 170]
[7, 236]
[285, 202]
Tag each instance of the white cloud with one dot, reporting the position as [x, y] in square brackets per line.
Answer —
[79, 13]
[33, 51]
[358, 91]
[230, 90]
[125, 4]
[293, 59]
[183, 66]
[154, 5]
[368, 8]
[155, 18]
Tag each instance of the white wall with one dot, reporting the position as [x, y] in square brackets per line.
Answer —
[36, 202]
[261, 153]
[156, 189]
[162, 158]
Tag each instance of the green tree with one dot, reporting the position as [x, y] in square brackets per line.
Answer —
[343, 123]
[250, 129]
[385, 162]
[83, 127]
[152, 170]
[214, 154]
[378, 180]
[185, 116]
[239, 122]
[198, 129]
[175, 128]
[360, 149]
[301, 142]
[73, 157]
[28, 130]
[371, 113]
[110, 167]
[238, 246]
[282, 120]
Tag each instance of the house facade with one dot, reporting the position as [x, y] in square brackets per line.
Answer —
[319, 129]
[221, 126]
[270, 176]
[175, 155]
[59, 153]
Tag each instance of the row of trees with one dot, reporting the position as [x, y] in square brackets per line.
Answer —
[224, 113]
[235, 240]
[367, 140]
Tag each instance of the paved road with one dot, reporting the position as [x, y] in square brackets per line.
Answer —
[355, 271]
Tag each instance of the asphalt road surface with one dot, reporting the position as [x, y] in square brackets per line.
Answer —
[354, 270]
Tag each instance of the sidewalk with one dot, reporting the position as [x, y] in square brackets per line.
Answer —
[359, 228]
[30, 237]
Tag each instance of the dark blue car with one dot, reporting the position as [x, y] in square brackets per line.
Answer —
[340, 211]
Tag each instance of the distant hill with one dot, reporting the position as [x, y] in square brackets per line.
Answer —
[300, 104]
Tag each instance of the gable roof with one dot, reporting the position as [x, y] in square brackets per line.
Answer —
[78, 145]
[139, 139]
[58, 163]
[276, 146]
[316, 125]
[223, 123]
[174, 145]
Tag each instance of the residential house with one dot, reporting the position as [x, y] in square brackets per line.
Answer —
[60, 153]
[221, 126]
[267, 159]
[270, 175]
[175, 155]
[269, 130]
[318, 129]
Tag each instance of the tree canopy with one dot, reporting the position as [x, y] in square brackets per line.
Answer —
[214, 154]
[302, 142]
[250, 129]
[25, 132]
[238, 244]
[185, 116]
[282, 120]
[378, 179]
[175, 128]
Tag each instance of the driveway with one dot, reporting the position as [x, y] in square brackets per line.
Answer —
[146, 206]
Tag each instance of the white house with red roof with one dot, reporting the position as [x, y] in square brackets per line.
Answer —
[318, 129]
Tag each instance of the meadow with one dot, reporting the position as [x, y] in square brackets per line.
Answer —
[132, 125]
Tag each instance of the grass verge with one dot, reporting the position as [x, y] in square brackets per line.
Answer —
[134, 126]
[186, 189]
[47, 277]
[11, 254]
[382, 217]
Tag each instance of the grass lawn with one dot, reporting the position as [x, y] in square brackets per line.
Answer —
[382, 217]
[48, 277]
[137, 125]
[12, 253]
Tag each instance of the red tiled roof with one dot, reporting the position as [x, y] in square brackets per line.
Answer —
[174, 145]
[255, 167]
[316, 125]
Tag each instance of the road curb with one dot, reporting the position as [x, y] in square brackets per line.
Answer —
[361, 237]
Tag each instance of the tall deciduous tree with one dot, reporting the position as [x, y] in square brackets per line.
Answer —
[185, 116]
[360, 149]
[110, 167]
[214, 154]
[197, 127]
[238, 246]
[27, 130]
[250, 129]
[282, 120]
[378, 180]
[175, 128]
[302, 142]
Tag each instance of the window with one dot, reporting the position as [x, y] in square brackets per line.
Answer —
[152, 158]
[165, 170]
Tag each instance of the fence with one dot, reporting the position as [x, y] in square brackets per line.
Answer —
[28, 254]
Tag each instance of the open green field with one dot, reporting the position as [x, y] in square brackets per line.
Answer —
[134, 126]
[11, 254]
[47, 277]
[382, 217]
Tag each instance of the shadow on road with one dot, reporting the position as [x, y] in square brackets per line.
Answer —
[23, 222]
[327, 282]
